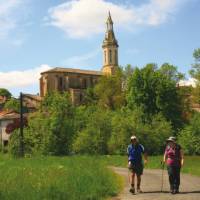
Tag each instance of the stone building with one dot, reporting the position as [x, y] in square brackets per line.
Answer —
[76, 81]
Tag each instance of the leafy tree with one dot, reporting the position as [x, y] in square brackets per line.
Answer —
[189, 136]
[4, 92]
[51, 129]
[154, 91]
[12, 104]
[109, 91]
[152, 135]
[94, 137]
[90, 97]
[195, 72]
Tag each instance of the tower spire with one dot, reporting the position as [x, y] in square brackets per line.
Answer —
[110, 48]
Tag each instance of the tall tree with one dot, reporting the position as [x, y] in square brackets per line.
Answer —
[109, 91]
[154, 91]
[195, 71]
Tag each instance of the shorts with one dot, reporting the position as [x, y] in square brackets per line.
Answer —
[137, 168]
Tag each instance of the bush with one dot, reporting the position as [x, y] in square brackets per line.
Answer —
[189, 136]
[151, 134]
[94, 137]
[50, 130]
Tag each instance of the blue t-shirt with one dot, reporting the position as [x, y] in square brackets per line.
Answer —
[135, 153]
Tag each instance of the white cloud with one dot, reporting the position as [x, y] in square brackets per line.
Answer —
[15, 79]
[8, 19]
[190, 82]
[80, 60]
[83, 18]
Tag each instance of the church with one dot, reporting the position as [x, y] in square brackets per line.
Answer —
[76, 81]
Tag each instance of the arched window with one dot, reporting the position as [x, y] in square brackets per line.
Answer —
[105, 56]
[116, 57]
[110, 55]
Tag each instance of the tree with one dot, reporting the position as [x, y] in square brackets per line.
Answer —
[128, 122]
[5, 93]
[51, 129]
[94, 137]
[189, 136]
[195, 71]
[12, 104]
[109, 91]
[154, 91]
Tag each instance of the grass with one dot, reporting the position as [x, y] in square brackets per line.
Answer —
[62, 178]
[191, 164]
[69, 178]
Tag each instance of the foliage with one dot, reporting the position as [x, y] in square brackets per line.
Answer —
[94, 137]
[14, 143]
[50, 130]
[4, 92]
[12, 104]
[152, 135]
[154, 91]
[195, 71]
[189, 136]
[109, 91]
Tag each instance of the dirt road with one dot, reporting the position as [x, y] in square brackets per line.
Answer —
[151, 186]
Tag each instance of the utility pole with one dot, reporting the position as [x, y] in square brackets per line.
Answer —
[21, 137]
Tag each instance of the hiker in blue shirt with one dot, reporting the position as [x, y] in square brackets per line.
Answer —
[135, 163]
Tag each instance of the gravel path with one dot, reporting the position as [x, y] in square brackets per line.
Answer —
[151, 186]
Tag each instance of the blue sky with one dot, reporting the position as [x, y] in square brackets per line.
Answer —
[36, 35]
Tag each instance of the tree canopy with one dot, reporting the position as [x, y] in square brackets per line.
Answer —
[4, 92]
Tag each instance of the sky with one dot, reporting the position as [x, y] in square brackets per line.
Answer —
[38, 35]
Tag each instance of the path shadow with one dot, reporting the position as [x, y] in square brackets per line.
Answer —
[151, 192]
[187, 192]
[190, 192]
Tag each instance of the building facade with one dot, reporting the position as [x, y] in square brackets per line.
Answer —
[76, 81]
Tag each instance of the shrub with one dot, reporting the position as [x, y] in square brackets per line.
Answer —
[189, 136]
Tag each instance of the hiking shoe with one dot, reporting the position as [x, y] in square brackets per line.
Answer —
[139, 190]
[176, 191]
[132, 190]
[173, 191]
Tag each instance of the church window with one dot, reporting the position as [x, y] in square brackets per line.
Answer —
[110, 52]
[105, 56]
[116, 57]
[84, 83]
[81, 97]
[60, 83]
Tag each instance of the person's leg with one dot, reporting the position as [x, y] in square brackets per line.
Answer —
[177, 179]
[139, 173]
[132, 178]
[139, 183]
[170, 170]
[132, 181]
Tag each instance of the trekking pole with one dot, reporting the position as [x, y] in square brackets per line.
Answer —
[162, 166]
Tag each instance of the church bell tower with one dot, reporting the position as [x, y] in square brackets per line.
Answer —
[110, 49]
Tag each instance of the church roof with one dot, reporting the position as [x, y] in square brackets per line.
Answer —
[71, 70]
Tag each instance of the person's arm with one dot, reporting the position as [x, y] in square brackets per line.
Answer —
[182, 157]
[144, 153]
[129, 162]
[164, 157]
[145, 158]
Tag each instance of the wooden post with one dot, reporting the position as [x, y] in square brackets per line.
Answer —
[21, 138]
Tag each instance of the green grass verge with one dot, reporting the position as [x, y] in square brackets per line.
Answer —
[50, 178]
[191, 164]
